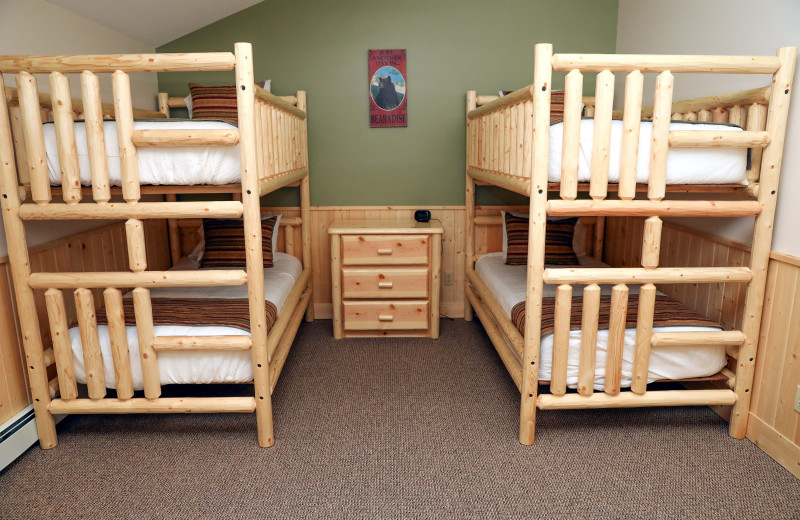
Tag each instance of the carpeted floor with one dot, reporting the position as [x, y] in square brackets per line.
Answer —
[399, 428]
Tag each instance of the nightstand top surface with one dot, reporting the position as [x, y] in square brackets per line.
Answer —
[379, 227]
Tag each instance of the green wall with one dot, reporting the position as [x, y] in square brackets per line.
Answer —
[452, 46]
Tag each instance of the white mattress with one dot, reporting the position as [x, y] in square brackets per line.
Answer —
[507, 283]
[684, 165]
[195, 367]
[181, 165]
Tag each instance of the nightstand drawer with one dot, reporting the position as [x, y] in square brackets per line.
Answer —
[397, 315]
[385, 282]
[384, 249]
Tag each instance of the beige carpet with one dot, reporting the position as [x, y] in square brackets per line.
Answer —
[399, 428]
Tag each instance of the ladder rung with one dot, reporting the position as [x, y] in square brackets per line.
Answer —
[694, 338]
[711, 139]
[139, 210]
[206, 278]
[235, 342]
[227, 137]
[631, 400]
[608, 275]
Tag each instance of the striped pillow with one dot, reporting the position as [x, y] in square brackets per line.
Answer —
[215, 102]
[225, 245]
[558, 248]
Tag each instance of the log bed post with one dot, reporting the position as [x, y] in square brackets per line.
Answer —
[21, 271]
[469, 203]
[251, 196]
[305, 202]
[542, 76]
[777, 117]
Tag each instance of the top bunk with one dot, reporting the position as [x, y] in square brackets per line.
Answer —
[72, 148]
[603, 161]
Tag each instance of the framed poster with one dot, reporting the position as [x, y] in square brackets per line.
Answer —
[388, 91]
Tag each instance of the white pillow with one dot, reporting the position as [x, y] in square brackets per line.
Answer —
[188, 99]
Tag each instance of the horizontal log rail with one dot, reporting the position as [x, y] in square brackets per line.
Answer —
[75, 64]
[278, 102]
[180, 102]
[650, 208]
[101, 280]
[631, 400]
[521, 185]
[509, 330]
[694, 338]
[507, 356]
[759, 96]
[286, 313]
[635, 275]
[139, 210]
[196, 222]
[234, 342]
[712, 139]
[281, 180]
[660, 63]
[159, 405]
[281, 352]
[45, 101]
[515, 98]
[640, 187]
[228, 137]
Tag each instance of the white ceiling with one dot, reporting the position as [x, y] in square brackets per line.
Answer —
[155, 22]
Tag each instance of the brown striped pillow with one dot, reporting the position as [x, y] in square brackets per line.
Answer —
[215, 102]
[558, 248]
[225, 245]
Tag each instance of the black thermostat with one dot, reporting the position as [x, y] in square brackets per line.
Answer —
[422, 215]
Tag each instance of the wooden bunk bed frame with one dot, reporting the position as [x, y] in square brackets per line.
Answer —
[272, 138]
[507, 146]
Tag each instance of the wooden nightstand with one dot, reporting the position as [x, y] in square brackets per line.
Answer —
[385, 277]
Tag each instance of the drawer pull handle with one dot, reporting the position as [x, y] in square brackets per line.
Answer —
[385, 317]
[385, 285]
[387, 251]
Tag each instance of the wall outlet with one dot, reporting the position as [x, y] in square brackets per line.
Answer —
[449, 279]
[797, 400]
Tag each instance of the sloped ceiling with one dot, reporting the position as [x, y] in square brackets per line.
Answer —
[155, 22]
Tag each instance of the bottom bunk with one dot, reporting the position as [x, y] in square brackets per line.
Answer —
[507, 284]
[194, 312]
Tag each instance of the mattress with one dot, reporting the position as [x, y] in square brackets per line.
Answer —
[194, 367]
[508, 285]
[180, 165]
[684, 165]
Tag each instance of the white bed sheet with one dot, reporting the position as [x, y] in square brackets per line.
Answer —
[507, 283]
[684, 165]
[195, 367]
[180, 165]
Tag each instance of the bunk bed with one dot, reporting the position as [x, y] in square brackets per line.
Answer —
[608, 332]
[141, 329]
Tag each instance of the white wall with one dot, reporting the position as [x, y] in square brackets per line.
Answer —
[737, 27]
[40, 27]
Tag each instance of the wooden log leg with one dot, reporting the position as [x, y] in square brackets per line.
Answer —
[777, 118]
[542, 76]
[305, 229]
[20, 272]
[245, 98]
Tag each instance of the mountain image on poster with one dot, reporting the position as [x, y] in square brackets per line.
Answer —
[387, 88]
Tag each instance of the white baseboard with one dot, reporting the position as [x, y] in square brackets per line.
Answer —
[17, 435]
